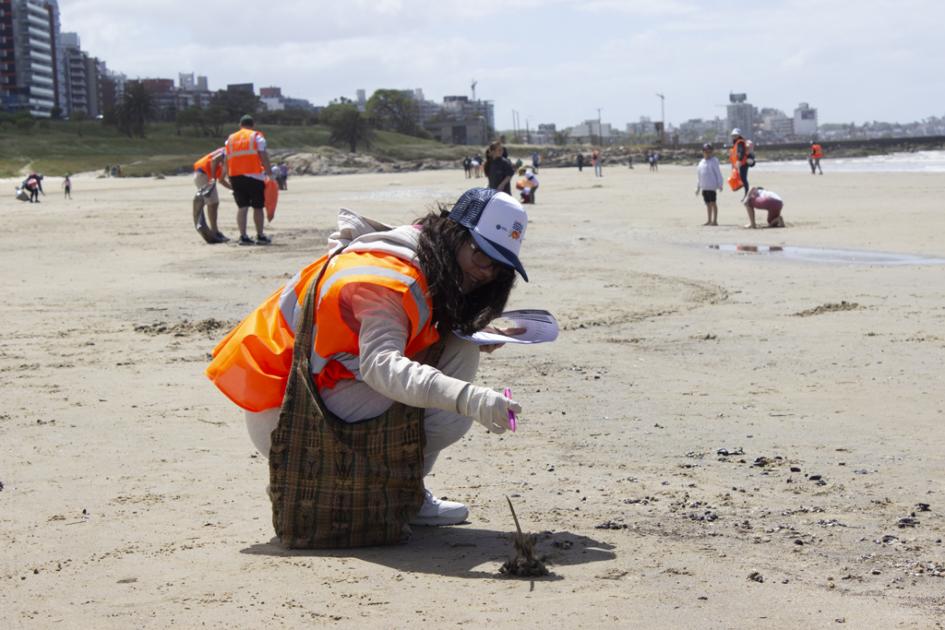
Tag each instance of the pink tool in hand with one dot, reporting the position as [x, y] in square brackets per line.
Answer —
[513, 422]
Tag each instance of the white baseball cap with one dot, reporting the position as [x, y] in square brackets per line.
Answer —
[496, 222]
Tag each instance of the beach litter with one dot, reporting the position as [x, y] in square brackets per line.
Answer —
[524, 563]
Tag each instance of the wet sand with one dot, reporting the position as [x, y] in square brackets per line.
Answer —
[717, 439]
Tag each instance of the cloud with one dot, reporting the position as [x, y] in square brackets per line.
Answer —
[553, 59]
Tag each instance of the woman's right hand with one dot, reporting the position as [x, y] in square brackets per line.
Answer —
[489, 407]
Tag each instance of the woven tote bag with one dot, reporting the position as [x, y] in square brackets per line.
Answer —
[335, 484]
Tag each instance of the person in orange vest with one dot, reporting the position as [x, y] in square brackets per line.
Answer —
[387, 296]
[816, 153]
[738, 156]
[208, 171]
[248, 166]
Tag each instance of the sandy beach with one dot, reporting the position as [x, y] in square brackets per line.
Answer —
[716, 440]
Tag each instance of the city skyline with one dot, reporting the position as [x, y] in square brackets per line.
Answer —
[549, 61]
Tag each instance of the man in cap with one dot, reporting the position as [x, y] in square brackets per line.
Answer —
[708, 181]
[248, 166]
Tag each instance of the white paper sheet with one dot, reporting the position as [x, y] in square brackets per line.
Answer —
[540, 327]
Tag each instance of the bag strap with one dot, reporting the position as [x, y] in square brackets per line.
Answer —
[303, 337]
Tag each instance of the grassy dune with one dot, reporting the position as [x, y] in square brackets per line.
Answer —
[57, 147]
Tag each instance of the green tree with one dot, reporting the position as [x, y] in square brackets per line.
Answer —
[135, 110]
[393, 110]
[347, 125]
[235, 103]
[191, 117]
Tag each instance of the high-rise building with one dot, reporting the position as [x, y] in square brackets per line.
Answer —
[741, 114]
[32, 67]
[805, 120]
[186, 81]
[81, 89]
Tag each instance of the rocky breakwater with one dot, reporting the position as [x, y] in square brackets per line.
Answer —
[330, 161]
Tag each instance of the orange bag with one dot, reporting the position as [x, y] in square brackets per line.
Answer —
[272, 198]
[735, 180]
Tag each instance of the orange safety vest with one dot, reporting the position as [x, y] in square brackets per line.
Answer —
[816, 151]
[733, 153]
[203, 164]
[251, 364]
[242, 156]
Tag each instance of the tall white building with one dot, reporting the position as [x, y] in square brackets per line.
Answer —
[805, 120]
[32, 66]
[741, 114]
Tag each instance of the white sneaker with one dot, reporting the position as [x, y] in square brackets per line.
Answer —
[438, 512]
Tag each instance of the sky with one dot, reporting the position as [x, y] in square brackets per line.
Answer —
[551, 61]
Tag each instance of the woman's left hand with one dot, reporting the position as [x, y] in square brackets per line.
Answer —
[508, 332]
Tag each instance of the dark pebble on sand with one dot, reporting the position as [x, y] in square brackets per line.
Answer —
[754, 576]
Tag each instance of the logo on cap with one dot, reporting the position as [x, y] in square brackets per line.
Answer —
[516, 230]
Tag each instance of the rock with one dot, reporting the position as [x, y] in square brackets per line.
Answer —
[611, 525]
[754, 576]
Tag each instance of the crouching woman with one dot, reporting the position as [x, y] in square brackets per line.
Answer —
[385, 305]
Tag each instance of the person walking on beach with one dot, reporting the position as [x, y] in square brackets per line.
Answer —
[67, 187]
[498, 168]
[477, 166]
[389, 300]
[760, 199]
[598, 161]
[208, 172]
[580, 162]
[816, 153]
[709, 181]
[738, 156]
[247, 165]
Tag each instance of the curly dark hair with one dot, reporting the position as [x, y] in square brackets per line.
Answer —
[440, 239]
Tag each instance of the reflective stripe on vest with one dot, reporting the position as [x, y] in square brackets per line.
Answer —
[203, 164]
[251, 364]
[242, 156]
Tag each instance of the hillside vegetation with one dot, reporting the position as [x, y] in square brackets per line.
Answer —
[59, 147]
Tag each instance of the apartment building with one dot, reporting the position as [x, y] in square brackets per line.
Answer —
[32, 67]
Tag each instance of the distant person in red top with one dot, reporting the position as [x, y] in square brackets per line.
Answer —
[816, 152]
[760, 199]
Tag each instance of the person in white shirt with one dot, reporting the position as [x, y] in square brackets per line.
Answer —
[708, 182]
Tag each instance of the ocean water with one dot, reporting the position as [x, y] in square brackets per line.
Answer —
[827, 255]
[918, 162]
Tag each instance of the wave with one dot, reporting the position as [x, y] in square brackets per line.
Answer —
[918, 162]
